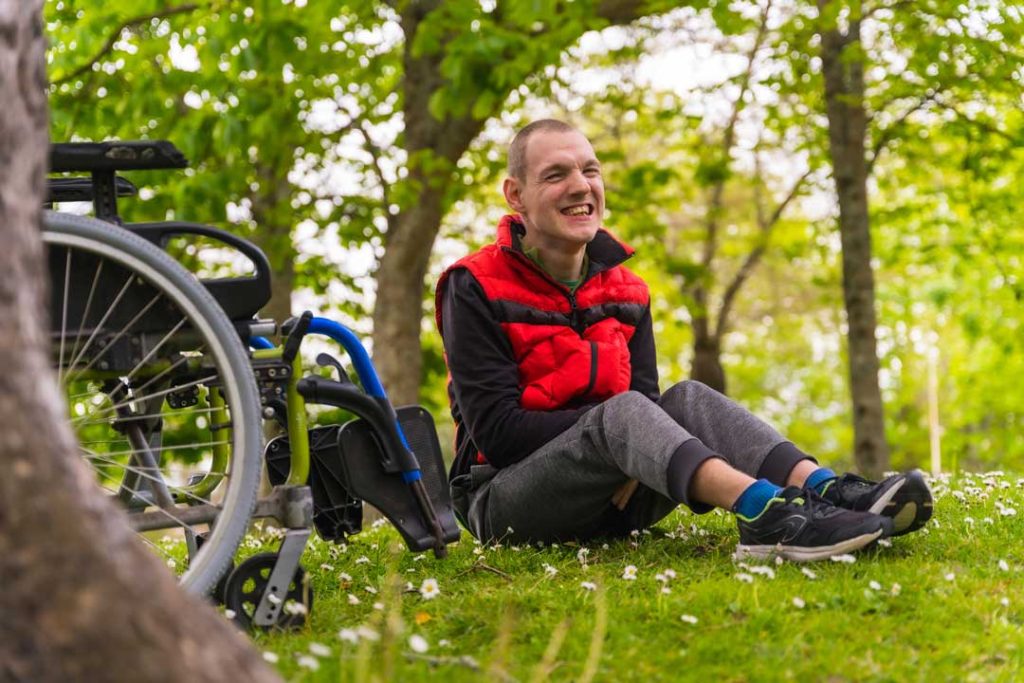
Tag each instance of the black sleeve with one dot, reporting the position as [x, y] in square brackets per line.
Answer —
[485, 378]
[643, 359]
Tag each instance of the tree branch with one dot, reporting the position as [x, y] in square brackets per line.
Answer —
[115, 35]
[754, 257]
[987, 127]
[889, 133]
[728, 139]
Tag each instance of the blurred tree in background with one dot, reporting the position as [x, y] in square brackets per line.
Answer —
[361, 146]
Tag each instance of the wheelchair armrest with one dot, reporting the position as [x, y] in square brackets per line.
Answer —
[130, 155]
[240, 297]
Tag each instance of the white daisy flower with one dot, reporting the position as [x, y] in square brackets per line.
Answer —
[665, 590]
[429, 589]
[344, 577]
[1004, 565]
[229, 614]
[669, 573]
[799, 603]
[629, 573]
[348, 635]
[319, 650]
[270, 657]
[689, 618]
[743, 577]
[370, 589]
[379, 606]
[846, 558]
[895, 590]
[367, 633]
[885, 542]
[874, 585]
[1005, 602]
[295, 608]
[549, 570]
[352, 599]
[809, 573]
[309, 662]
[362, 559]
[588, 585]
[418, 643]
[950, 576]
[763, 570]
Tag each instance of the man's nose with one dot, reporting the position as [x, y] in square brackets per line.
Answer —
[578, 183]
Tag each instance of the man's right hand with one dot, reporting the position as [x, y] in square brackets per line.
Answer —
[620, 498]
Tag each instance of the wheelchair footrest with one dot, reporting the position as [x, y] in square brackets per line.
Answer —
[359, 468]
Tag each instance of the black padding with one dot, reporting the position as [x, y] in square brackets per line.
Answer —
[115, 156]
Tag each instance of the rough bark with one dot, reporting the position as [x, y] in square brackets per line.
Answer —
[843, 71]
[82, 599]
[707, 359]
[398, 310]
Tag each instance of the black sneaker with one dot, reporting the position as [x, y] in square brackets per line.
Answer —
[903, 498]
[800, 525]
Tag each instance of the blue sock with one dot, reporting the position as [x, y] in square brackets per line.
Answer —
[754, 499]
[818, 479]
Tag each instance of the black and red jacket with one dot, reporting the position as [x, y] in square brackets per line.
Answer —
[527, 356]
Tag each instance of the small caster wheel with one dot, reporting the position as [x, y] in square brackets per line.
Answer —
[248, 581]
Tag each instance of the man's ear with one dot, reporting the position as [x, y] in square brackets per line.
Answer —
[513, 194]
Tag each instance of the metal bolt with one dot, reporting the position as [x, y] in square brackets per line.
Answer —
[268, 413]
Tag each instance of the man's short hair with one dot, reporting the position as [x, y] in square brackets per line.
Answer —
[517, 149]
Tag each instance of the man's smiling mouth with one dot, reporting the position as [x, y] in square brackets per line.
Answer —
[579, 210]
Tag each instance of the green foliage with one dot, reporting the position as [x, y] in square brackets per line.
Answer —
[295, 123]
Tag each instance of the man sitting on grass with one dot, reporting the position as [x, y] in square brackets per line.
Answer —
[561, 431]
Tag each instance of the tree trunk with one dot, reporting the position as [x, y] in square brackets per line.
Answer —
[398, 310]
[844, 95]
[271, 212]
[707, 357]
[82, 599]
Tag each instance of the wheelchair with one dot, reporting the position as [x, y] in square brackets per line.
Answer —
[169, 380]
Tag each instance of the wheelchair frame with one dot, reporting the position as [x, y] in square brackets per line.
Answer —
[381, 466]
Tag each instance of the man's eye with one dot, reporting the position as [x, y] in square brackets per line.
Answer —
[553, 177]
[592, 172]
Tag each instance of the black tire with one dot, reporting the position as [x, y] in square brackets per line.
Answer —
[146, 358]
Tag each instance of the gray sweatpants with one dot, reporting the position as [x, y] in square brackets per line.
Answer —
[563, 490]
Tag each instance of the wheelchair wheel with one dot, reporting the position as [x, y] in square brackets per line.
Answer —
[160, 393]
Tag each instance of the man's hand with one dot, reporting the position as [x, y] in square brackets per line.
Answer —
[622, 494]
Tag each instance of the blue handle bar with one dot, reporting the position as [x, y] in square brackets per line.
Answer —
[362, 364]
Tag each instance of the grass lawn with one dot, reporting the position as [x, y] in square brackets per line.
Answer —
[945, 603]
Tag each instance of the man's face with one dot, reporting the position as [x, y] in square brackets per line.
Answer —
[561, 197]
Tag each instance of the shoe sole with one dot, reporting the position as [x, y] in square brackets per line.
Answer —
[806, 554]
[907, 503]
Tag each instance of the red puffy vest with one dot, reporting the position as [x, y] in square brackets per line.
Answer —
[570, 347]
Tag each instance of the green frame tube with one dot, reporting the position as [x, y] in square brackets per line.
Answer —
[298, 436]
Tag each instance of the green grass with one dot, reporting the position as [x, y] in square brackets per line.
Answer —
[936, 605]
